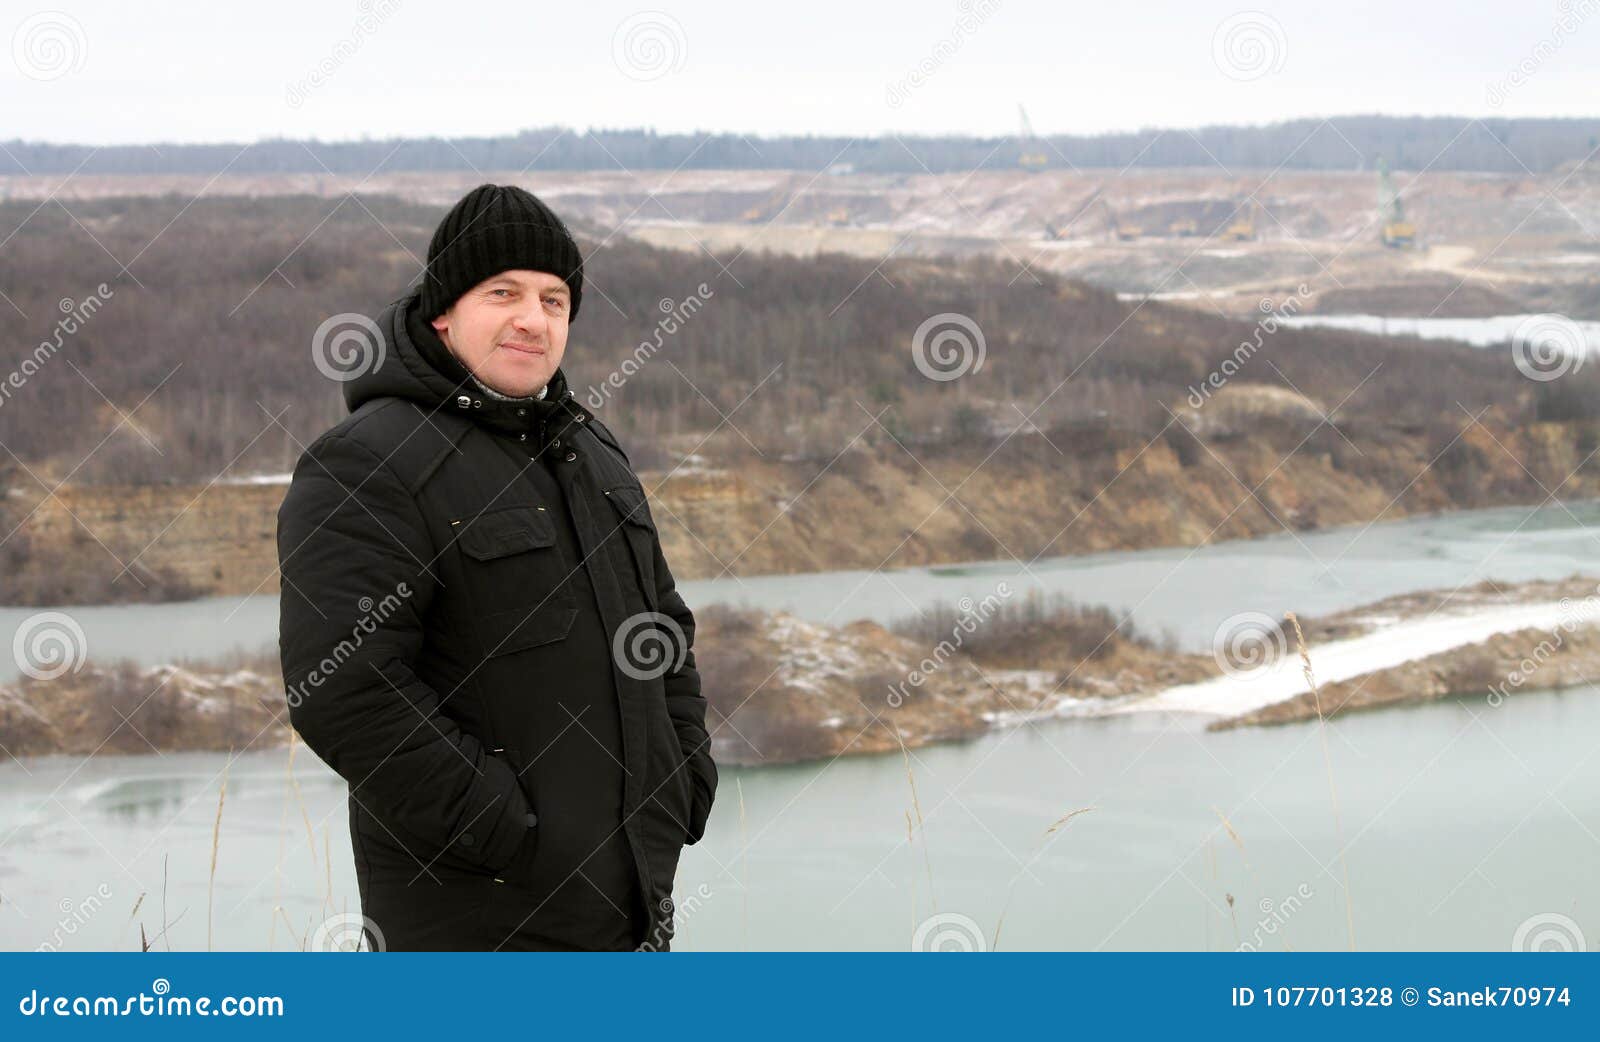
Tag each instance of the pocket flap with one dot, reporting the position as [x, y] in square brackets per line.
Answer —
[503, 632]
[630, 503]
[506, 531]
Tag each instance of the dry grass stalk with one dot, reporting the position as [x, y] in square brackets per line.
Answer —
[1228, 826]
[916, 805]
[994, 945]
[1327, 760]
[744, 867]
[216, 836]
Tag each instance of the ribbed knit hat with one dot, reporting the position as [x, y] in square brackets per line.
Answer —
[497, 228]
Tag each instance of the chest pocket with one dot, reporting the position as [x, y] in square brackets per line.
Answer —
[639, 533]
[517, 578]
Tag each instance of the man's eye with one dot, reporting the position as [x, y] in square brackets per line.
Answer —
[555, 302]
[505, 291]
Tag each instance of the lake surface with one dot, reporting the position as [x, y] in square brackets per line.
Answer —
[1495, 331]
[1185, 590]
[1456, 822]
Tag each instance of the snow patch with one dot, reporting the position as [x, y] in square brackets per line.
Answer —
[810, 655]
[1344, 659]
[257, 479]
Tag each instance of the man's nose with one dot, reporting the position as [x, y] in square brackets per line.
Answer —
[532, 319]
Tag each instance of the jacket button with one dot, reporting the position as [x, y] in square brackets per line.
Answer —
[522, 412]
[556, 444]
[466, 839]
[533, 819]
[522, 437]
[571, 456]
[464, 402]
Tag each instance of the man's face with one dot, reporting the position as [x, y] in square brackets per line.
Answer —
[510, 330]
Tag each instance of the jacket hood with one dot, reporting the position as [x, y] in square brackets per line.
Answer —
[414, 364]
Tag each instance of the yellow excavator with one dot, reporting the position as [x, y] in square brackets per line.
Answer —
[1124, 231]
[1397, 232]
[1120, 229]
[1031, 157]
[768, 208]
[1243, 228]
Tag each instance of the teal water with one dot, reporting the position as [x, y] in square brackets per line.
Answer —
[1456, 823]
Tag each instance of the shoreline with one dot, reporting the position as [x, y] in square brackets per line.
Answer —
[961, 564]
[782, 690]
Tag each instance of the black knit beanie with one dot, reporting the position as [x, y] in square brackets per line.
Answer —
[496, 228]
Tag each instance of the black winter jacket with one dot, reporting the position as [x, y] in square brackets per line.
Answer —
[480, 634]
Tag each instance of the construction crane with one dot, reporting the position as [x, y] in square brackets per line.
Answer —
[1031, 158]
[1397, 232]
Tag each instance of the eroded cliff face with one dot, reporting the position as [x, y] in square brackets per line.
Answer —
[878, 506]
[145, 542]
[882, 508]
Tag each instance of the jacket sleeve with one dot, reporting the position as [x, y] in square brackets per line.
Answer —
[685, 704]
[355, 559]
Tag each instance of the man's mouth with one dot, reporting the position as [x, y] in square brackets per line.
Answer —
[527, 349]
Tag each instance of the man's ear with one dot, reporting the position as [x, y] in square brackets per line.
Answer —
[441, 326]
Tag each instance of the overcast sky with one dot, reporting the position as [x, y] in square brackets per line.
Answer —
[113, 72]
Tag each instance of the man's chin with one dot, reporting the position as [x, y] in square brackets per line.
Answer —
[518, 385]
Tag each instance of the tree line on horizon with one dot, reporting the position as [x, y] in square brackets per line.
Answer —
[1493, 145]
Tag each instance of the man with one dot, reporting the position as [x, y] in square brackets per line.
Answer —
[473, 587]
